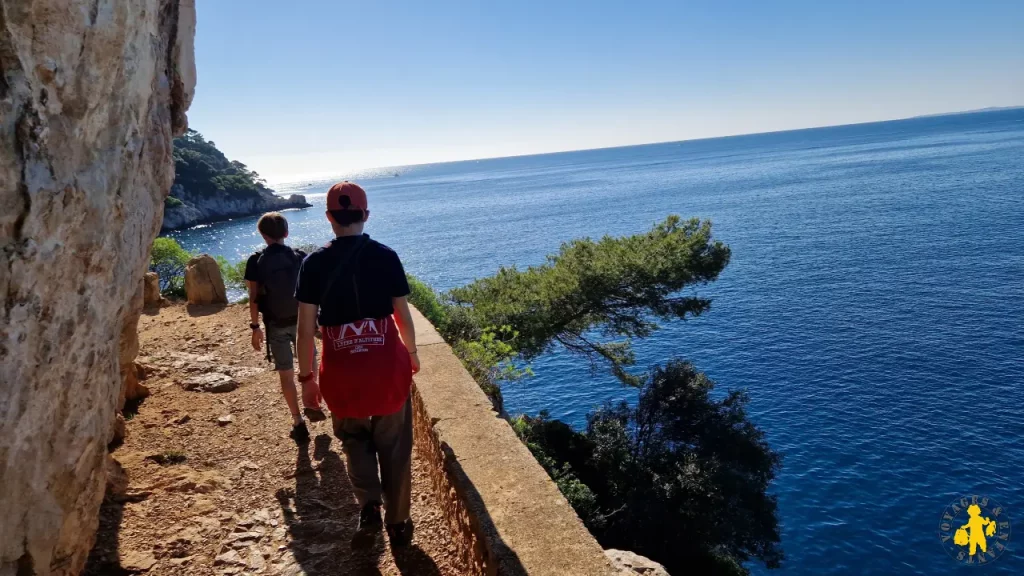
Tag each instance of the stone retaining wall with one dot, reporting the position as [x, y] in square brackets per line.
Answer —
[506, 512]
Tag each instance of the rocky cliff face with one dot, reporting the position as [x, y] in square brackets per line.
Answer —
[198, 210]
[91, 94]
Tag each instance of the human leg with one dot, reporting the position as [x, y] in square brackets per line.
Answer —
[360, 457]
[279, 345]
[392, 437]
[291, 398]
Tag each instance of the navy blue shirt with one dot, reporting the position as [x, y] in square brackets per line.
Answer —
[379, 277]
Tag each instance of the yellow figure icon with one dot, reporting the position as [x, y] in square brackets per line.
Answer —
[975, 530]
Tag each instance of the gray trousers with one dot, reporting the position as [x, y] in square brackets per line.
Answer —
[383, 440]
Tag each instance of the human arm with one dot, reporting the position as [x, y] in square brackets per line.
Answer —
[254, 314]
[304, 338]
[403, 318]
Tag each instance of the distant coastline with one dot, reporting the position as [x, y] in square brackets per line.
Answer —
[975, 111]
[210, 188]
[190, 211]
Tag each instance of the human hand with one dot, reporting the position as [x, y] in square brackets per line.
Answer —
[414, 357]
[257, 339]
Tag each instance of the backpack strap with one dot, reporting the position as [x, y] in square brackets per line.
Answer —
[350, 257]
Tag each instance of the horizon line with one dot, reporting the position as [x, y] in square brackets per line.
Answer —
[657, 143]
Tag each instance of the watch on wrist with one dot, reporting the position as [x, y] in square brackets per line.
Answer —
[306, 378]
[254, 326]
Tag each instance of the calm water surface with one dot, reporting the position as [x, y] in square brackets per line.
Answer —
[873, 308]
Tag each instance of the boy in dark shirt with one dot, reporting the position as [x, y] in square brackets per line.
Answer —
[355, 289]
[271, 275]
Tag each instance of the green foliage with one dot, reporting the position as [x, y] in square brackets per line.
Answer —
[427, 302]
[486, 353]
[234, 274]
[579, 495]
[681, 478]
[168, 259]
[172, 202]
[613, 288]
[489, 357]
[202, 170]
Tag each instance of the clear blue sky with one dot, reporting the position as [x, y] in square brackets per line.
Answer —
[322, 87]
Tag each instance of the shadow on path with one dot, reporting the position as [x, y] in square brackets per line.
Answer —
[104, 558]
[195, 310]
[413, 561]
[321, 516]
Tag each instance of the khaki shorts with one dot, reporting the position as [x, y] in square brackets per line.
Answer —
[281, 346]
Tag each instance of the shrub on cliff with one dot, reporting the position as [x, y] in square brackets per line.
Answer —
[613, 290]
[233, 273]
[681, 478]
[168, 259]
[203, 170]
[485, 352]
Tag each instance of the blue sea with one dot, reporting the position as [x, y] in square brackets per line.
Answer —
[873, 307]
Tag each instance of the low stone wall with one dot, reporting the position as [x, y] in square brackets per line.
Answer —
[506, 512]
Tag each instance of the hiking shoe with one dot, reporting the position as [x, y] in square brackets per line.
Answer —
[314, 414]
[369, 526]
[300, 433]
[400, 534]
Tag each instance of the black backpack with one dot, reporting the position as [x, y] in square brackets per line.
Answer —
[278, 270]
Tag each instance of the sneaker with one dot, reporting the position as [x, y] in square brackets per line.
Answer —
[300, 433]
[400, 534]
[369, 526]
[314, 414]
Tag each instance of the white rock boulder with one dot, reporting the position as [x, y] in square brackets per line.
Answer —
[631, 564]
[203, 282]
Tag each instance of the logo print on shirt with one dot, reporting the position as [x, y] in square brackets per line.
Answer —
[356, 336]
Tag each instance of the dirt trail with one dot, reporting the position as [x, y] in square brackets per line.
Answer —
[214, 485]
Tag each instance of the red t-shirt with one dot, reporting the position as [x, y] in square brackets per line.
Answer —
[365, 368]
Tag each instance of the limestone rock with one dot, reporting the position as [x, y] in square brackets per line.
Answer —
[117, 480]
[91, 95]
[630, 564]
[213, 382]
[120, 429]
[203, 282]
[136, 561]
[151, 290]
[129, 349]
[229, 558]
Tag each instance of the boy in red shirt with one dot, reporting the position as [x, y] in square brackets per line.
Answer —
[355, 289]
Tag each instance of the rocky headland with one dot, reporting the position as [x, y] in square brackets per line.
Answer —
[210, 188]
[201, 210]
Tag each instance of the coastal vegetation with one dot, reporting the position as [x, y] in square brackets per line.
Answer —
[168, 259]
[682, 475]
[208, 186]
[203, 170]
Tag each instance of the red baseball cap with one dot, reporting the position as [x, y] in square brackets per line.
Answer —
[346, 196]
